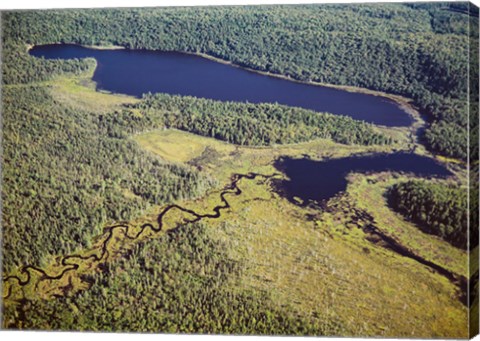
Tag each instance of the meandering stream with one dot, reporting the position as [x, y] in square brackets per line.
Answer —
[307, 180]
[66, 261]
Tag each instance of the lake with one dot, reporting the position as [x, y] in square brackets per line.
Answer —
[136, 72]
[317, 181]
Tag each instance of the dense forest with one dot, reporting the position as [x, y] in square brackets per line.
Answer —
[241, 123]
[168, 285]
[99, 175]
[20, 68]
[437, 208]
[67, 171]
[474, 143]
[91, 181]
[416, 50]
[64, 177]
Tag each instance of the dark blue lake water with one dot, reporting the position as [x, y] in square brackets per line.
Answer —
[316, 181]
[135, 72]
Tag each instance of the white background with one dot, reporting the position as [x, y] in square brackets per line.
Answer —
[63, 336]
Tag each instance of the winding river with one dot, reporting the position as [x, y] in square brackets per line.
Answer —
[306, 179]
[68, 266]
[136, 72]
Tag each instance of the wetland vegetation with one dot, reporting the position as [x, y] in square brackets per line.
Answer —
[306, 177]
[109, 197]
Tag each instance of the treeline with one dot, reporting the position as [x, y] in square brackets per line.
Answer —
[437, 208]
[416, 50]
[239, 123]
[63, 178]
[180, 283]
[20, 68]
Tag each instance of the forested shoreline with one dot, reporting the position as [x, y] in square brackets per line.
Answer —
[244, 123]
[40, 132]
[414, 40]
[415, 50]
[68, 171]
[21, 68]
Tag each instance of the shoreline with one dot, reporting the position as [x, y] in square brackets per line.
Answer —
[92, 47]
[349, 88]
[106, 47]
[404, 103]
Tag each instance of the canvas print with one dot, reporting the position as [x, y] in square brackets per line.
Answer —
[304, 170]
